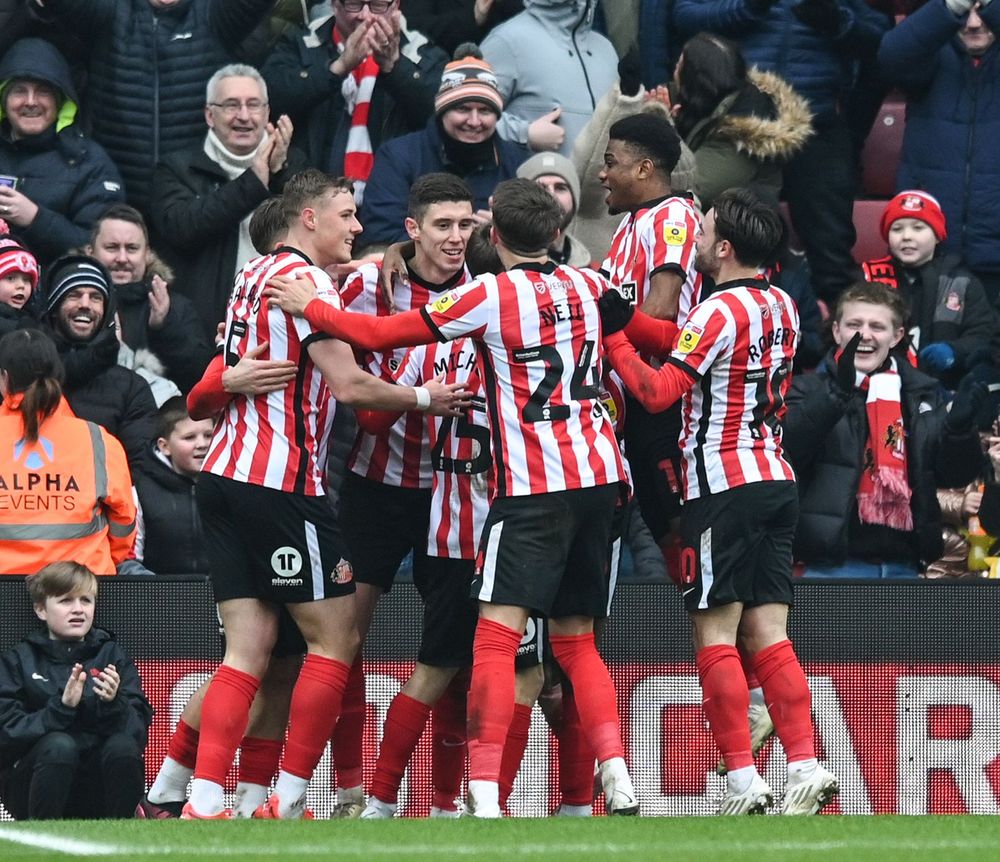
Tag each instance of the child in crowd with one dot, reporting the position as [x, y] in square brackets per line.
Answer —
[73, 716]
[171, 538]
[952, 327]
[18, 279]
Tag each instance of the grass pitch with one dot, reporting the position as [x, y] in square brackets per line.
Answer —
[698, 839]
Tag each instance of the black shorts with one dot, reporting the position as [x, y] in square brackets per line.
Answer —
[271, 545]
[535, 648]
[548, 552]
[736, 546]
[381, 525]
[450, 613]
[653, 450]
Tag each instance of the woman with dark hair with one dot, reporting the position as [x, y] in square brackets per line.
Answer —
[67, 492]
[742, 124]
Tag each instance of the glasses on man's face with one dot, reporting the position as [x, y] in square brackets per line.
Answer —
[231, 107]
[378, 7]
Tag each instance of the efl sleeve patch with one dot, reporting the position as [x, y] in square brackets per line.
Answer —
[442, 304]
[675, 233]
[689, 338]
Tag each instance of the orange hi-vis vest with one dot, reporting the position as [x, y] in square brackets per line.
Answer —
[67, 496]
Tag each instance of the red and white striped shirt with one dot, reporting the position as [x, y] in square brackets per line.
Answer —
[739, 343]
[277, 440]
[400, 455]
[460, 449]
[656, 239]
[538, 330]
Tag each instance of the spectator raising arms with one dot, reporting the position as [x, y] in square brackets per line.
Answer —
[946, 59]
[353, 80]
[59, 180]
[74, 457]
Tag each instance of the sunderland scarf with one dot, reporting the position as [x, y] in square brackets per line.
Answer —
[884, 491]
[357, 92]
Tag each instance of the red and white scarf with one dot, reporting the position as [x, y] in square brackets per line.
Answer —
[884, 491]
[357, 92]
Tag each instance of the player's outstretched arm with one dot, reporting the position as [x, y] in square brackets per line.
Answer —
[350, 385]
[655, 389]
[208, 396]
[650, 335]
[298, 297]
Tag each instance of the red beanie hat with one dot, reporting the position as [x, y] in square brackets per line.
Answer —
[14, 258]
[918, 205]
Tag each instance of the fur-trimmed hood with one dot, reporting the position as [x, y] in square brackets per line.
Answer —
[760, 137]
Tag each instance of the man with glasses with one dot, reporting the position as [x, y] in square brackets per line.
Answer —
[203, 197]
[148, 61]
[353, 80]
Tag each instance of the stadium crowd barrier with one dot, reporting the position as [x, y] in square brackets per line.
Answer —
[905, 680]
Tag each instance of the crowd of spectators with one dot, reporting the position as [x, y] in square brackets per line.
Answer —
[160, 104]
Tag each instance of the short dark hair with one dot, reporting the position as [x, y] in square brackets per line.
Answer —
[480, 254]
[267, 224]
[651, 136]
[58, 579]
[172, 411]
[751, 226]
[874, 293]
[307, 186]
[120, 212]
[436, 188]
[525, 216]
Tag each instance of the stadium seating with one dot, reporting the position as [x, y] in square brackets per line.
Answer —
[880, 156]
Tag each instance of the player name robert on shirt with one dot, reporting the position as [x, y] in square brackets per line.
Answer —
[782, 334]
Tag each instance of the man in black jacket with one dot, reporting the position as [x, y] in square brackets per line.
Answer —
[871, 439]
[152, 316]
[79, 310]
[203, 197]
[73, 716]
[55, 180]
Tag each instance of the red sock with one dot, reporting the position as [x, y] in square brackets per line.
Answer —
[491, 697]
[576, 758]
[726, 699]
[789, 701]
[224, 716]
[349, 734]
[513, 750]
[183, 745]
[259, 760]
[595, 692]
[404, 725]
[746, 660]
[313, 712]
[448, 756]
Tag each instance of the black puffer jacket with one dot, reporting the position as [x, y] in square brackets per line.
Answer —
[180, 344]
[824, 439]
[67, 175]
[197, 212]
[33, 675]
[102, 391]
[172, 527]
[300, 84]
[148, 71]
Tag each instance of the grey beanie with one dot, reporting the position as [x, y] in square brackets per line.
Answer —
[542, 164]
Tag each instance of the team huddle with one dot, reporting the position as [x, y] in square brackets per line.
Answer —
[496, 405]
